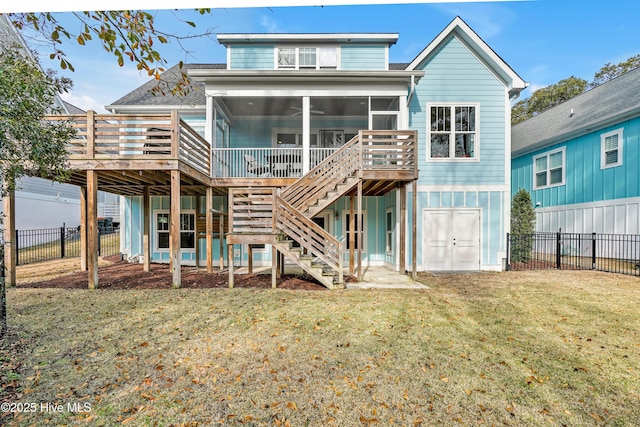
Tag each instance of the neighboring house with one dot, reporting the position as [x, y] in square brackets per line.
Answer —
[580, 160]
[41, 203]
[284, 102]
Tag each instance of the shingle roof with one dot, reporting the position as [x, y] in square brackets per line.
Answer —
[398, 66]
[143, 95]
[593, 109]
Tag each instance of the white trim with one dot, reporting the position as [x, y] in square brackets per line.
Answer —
[229, 58]
[389, 252]
[507, 163]
[154, 227]
[466, 188]
[603, 157]
[547, 154]
[313, 37]
[452, 132]
[386, 58]
[459, 25]
[256, 89]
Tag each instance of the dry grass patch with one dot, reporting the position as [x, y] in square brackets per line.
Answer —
[42, 271]
[517, 348]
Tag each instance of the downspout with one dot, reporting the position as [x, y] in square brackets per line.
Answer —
[413, 89]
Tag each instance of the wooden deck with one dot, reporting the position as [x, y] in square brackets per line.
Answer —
[145, 155]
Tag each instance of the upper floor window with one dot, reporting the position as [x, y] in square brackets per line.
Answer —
[611, 149]
[453, 132]
[549, 169]
[315, 58]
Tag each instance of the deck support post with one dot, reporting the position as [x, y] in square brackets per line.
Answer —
[403, 229]
[209, 228]
[197, 232]
[274, 266]
[250, 254]
[221, 235]
[230, 261]
[352, 236]
[92, 228]
[146, 241]
[360, 225]
[174, 230]
[83, 228]
[10, 254]
[414, 226]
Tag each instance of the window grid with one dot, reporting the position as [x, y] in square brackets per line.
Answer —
[549, 169]
[187, 230]
[453, 141]
[316, 58]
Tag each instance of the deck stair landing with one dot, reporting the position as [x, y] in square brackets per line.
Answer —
[283, 217]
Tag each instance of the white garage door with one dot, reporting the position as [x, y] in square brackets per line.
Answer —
[451, 239]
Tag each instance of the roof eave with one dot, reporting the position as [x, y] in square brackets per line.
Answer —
[241, 38]
[302, 75]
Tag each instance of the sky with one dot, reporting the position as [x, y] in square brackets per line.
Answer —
[544, 41]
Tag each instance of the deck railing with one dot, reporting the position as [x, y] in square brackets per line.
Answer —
[137, 136]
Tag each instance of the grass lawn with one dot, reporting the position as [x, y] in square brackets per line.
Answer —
[516, 348]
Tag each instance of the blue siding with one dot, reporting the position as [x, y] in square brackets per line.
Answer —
[252, 58]
[455, 75]
[363, 57]
[585, 181]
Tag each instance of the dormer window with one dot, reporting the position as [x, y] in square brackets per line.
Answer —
[307, 58]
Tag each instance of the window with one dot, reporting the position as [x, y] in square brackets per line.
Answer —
[611, 149]
[549, 169]
[347, 230]
[453, 132]
[187, 230]
[389, 232]
[314, 58]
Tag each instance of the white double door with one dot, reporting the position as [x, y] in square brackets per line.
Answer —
[451, 239]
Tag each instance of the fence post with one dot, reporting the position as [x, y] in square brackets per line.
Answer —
[593, 250]
[508, 266]
[558, 249]
[62, 242]
[99, 241]
[17, 246]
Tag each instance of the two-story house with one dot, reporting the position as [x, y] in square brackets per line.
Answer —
[579, 160]
[317, 149]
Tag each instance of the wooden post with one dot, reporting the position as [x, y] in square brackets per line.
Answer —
[10, 253]
[91, 134]
[174, 230]
[209, 228]
[175, 134]
[146, 241]
[221, 236]
[197, 239]
[403, 229]
[414, 225]
[83, 228]
[230, 261]
[352, 236]
[274, 266]
[250, 254]
[360, 225]
[92, 228]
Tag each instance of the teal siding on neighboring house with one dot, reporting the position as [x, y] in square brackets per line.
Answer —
[251, 57]
[585, 181]
[363, 57]
[455, 75]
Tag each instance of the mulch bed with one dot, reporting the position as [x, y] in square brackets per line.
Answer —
[125, 275]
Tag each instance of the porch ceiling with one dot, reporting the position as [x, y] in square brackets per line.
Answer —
[292, 106]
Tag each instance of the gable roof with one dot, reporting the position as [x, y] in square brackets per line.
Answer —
[142, 95]
[611, 102]
[459, 28]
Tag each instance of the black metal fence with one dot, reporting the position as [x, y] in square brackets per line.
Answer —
[615, 253]
[63, 242]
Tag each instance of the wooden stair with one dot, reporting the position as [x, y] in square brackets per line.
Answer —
[310, 264]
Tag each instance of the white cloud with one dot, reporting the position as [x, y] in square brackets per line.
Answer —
[488, 20]
[85, 102]
[269, 24]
